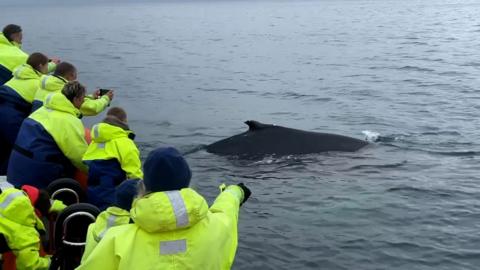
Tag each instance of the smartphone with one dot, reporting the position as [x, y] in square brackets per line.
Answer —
[104, 91]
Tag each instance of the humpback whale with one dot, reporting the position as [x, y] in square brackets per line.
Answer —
[267, 139]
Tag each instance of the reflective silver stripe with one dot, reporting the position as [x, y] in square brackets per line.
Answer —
[110, 223]
[44, 82]
[10, 198]
[95, 131]
[173, 247]
[18, 71]
[49, 97]
[178, 208]
[101, 145]
[5, 185]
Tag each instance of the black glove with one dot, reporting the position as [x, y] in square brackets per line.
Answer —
[246, 193]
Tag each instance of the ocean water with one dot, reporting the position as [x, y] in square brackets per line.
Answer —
[190, 72]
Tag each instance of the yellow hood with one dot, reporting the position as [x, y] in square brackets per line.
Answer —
[155, 212]
[59, 102]
[104, 132]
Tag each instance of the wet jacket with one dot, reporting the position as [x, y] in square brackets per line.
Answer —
[113, 216]
[18, 226]
[11, 56]
[112, 157]
[173, 230]
[54, 84]
[15, 105]
[49, 142]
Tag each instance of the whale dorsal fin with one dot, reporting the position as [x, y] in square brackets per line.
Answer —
[255, 125]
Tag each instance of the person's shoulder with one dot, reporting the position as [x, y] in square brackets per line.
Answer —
[121, 230]
[120, 233]
[125, 140]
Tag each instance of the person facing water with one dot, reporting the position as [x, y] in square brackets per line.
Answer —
[173, 227]
[64, 73]
[11, 54]
[16, 98]
[112, 157]
[115, 215]
[51, 142]
[21, 226]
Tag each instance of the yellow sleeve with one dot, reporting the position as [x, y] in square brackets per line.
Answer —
[130, 159]
[29, 258]
[26, 249]
[73, 144]
[228, 202]
[92, 106]
[225, 209]
[102, 257]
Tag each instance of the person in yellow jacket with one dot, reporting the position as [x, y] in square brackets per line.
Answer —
[116, 215]
[16, 98]
[173, 226]
[11, 54]
[51, 142]
[112, 157]
[19, 227]
[66, 72]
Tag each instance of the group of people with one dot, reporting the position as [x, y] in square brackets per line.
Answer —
[151, 219]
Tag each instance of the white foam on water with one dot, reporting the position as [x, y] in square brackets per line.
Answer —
[371, 136]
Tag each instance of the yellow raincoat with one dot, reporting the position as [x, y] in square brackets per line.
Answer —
[173, 230]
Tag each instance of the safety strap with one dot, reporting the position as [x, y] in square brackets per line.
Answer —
[60, 78]
[23, 151]
[179, 208]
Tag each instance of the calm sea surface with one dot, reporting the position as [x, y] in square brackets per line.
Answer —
[190, 73]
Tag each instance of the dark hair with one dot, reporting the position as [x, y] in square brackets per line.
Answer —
[11, 29]
[63, 69]
[118, 113]
[43, 202]
[73, 89]
[37, 59]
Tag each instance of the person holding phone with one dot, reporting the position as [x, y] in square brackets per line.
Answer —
[66, 72]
